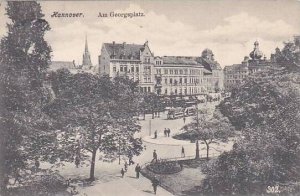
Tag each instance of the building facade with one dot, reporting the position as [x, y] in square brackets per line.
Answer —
[234, 75]
[167, 75]
[131, 60]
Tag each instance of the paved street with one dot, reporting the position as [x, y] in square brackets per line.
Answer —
[108, 174]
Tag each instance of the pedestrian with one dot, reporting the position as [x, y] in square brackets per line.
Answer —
[126, 166]
[122, 172]
[131, 162]
[155, 183]
[182, 152]
[184, 119]
[169, 131]
[155, 134]
[68, 182]
[154, 156]
[77, 161]
[181, 166]
[37, 164]
[165, 132]
[138, 170]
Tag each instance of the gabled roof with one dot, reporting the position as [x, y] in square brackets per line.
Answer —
[124, 51]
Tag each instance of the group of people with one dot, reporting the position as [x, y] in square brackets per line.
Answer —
[137, 168]
[167, 132]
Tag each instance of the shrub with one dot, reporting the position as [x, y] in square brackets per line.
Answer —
[164, 167]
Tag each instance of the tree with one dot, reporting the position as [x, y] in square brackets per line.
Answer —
[289, 56]
[152, 103]
[95, 114]
[209, 130]
[266, 108]
[24, 58]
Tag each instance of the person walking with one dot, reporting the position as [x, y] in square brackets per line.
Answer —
[182, 152]
[154, 156]
[155, 134]
[137, 170]
[181, 166]
[122, 172]
[155, 183]
[131, 162]
[165, 132]
[184, 119]
[37, 164]
[77, 161]
[169, 131]
[126, 166]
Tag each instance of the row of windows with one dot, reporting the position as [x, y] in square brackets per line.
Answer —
[145, 89]
[125, 68]
[182, 81]
[180, 71]
[147, 79]
[147, 60]
[158, 62]
[184, 91]
[233, 81]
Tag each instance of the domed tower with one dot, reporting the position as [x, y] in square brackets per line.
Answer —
[256, 54]
[208, 54]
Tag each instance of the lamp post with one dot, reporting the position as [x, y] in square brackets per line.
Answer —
[197, 141]
[150, 127]
[119, 151]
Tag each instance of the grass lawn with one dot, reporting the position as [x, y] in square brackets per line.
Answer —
[181, 183]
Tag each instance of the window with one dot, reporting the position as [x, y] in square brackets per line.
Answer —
[176, 71]
[171, 71]
[185, 80]
[132, 68]
[166, 71]
[137, 69]
[121, 67]
[166, 81]
[114, 69]
[180, 71]
[180, 80]
[166, 91]
[149, 89]
[171, 81]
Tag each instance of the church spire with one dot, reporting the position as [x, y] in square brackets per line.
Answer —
[86, 50]
[86, 58]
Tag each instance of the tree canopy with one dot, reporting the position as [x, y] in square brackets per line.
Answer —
[266, 108]
[95, 114]
[24, 58]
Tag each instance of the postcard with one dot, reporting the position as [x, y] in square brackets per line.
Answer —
[133, 98]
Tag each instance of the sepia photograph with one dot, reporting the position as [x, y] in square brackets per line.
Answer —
[141, 98]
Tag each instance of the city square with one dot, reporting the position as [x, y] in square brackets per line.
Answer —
[108, 98]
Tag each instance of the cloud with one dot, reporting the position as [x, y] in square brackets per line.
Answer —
[230, 39]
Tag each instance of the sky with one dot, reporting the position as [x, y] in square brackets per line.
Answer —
[177, 28]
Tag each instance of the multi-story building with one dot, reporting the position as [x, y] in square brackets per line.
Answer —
[182, 75]
[167, 75]
[131, 60]
[235, 74]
